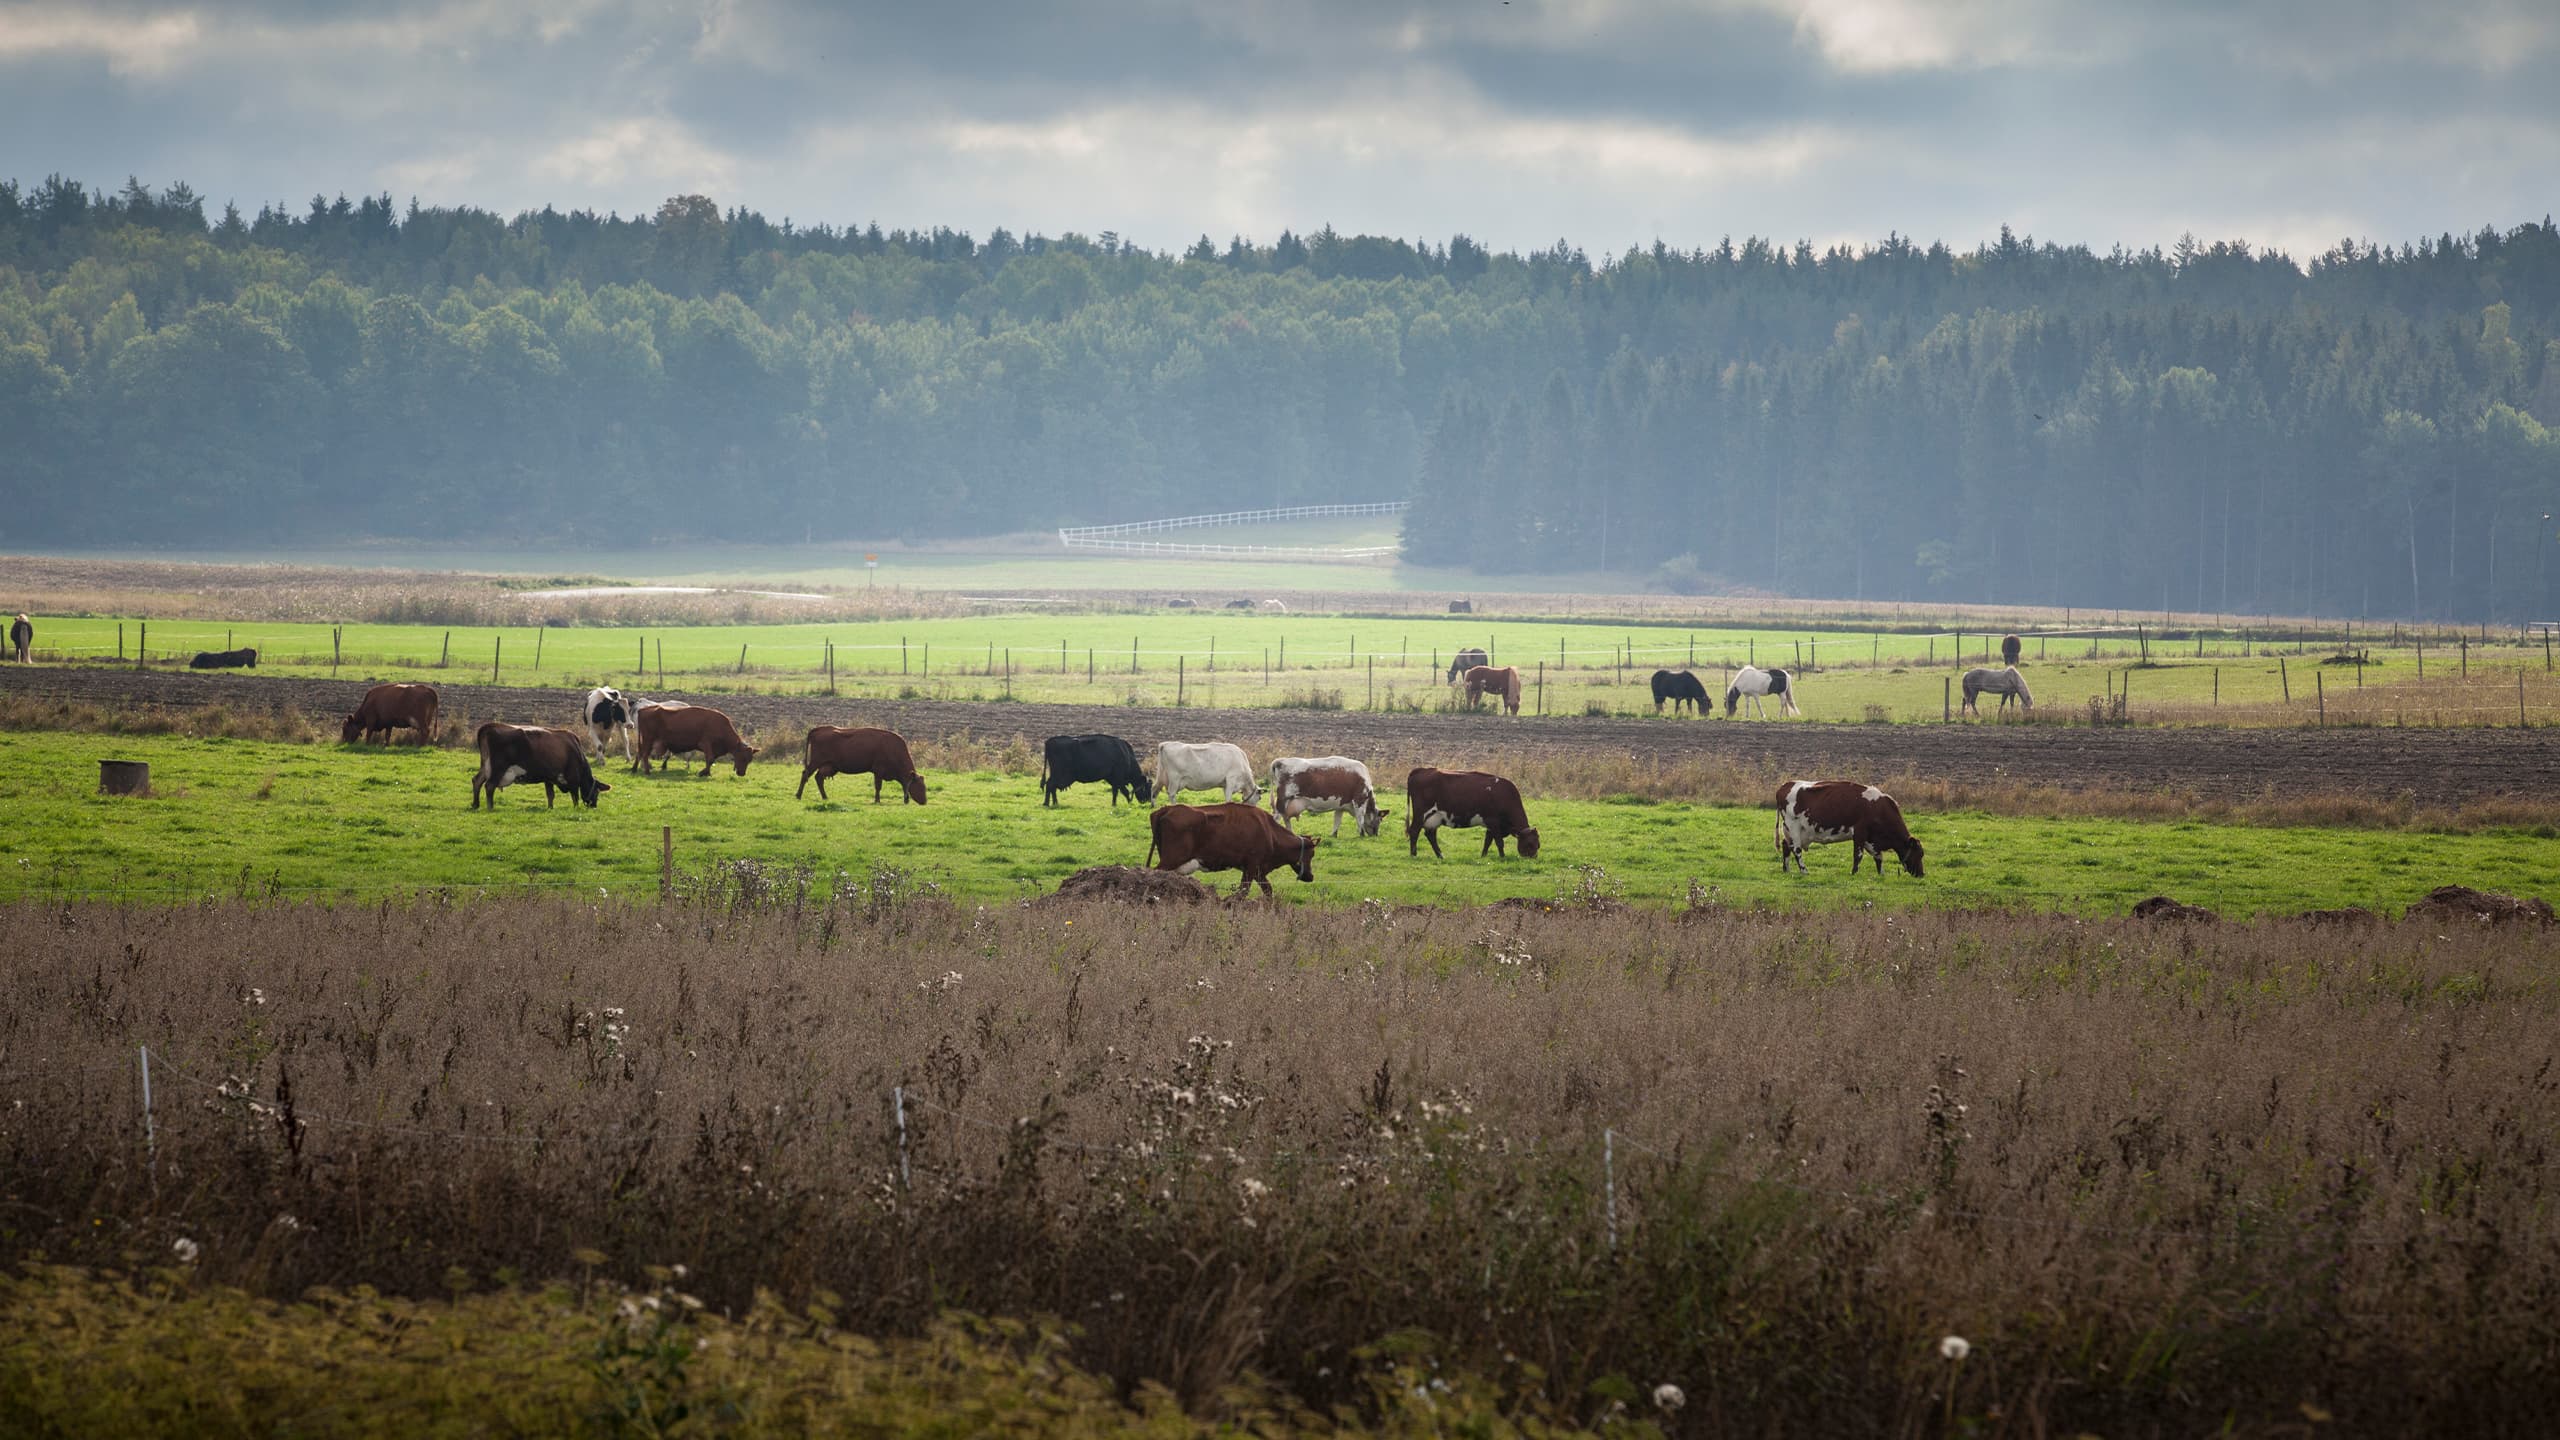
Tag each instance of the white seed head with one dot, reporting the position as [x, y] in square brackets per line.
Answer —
[187, 1250]
[1667, 1398]
[1954, 1347]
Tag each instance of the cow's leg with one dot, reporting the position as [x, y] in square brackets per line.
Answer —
[822, 783]
[876, 778]
[550, 796]
[708, 760]
[804, 782]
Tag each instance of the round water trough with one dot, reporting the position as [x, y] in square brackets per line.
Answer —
[124, 777]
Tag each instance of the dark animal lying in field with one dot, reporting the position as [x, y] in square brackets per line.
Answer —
[224, 660]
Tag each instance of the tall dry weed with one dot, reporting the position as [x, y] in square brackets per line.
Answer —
[2163, 1178]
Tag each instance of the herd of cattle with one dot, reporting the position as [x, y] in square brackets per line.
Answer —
[1232, 833]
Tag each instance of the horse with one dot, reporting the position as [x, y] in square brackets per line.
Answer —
[1680, 687]
[1466, 660]
[2010, 650]
[1504, 681]
[1751, 682]
[2003, 683]
[22, 637]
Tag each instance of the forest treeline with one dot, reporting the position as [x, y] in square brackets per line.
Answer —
[2375, 431]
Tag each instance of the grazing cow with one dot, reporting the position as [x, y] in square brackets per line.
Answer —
[1824, 812]
[1466, 660]
[2007, 684]
[2010, 650]
[243, 658]
[1336, 782]
[1750, 682]
[1463, 800]
[1239, 604]
[609, 710]
[393, 707]
[1501, 680]
[1177, 604]
[1192, 838]
[667, 730]
[1680, 687]
[22, 637]
[1100, 759]
[1275, 606]
[880, 754]
[1215, 766]
[553, 758]
[1462, 607]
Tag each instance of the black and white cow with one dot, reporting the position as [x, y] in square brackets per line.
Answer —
[609, 710]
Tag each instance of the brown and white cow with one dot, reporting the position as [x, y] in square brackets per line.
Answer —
[1503, 681]
[1190, 838]
[1825, 812]
[1464, 800]
[1336, 782]
[880, 754]
[667, 730]
[541, 755]
[399, 706]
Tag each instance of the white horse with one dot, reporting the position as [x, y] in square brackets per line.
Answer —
[1750, 683]
[2008, 684]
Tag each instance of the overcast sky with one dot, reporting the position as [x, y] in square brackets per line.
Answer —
[1606, 122]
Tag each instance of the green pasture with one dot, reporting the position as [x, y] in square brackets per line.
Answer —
[230, 816]
[1264, 659]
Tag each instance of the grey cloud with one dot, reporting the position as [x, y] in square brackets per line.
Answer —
[1606, 121]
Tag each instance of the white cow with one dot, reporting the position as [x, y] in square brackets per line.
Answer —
[1334, 782]
[609, 710]
[1214, 766]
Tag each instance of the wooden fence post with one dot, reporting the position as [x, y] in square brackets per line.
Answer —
[336, 633]
[2285, 680]
[497, 649]
[1542, 686]
[2320, 691]
[447, 657]
[539, 632]
[742, 659]
[1947, 699]
[142, 647]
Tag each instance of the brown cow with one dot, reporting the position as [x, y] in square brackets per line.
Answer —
[1228, 837]
[533, 754]
[1824, 812]
[1463, 799]
[880, 754]
[393, 707]
[1337, 783]
[1483, 680]
[667, 730]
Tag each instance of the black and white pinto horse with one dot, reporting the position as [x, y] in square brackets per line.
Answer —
[2007, 683]
[609, 710]
[1751, 682]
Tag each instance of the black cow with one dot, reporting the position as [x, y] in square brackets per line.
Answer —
[1680, 687]
[1239, 605]
[224, 660]
[1107, 759]
[1466, 660]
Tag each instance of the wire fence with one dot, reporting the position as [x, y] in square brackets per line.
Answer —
[1075, 536]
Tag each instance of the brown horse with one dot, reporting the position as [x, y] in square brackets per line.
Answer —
[1483, 680]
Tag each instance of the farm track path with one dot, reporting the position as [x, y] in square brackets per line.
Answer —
[2438, 767]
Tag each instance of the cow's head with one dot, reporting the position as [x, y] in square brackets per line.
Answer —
[1145, 789]
[913, 784]
[1305, 864]
[348, 730]
[589, 789]
[1909, 853]
[1528, 843]
[741, 755]
[1370, 813]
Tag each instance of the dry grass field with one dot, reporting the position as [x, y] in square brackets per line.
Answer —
[2278, 1178]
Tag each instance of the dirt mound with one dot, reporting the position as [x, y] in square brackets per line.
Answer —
[2161, 907]
[2349, 915]
[2461, 902]
[1127, 885]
